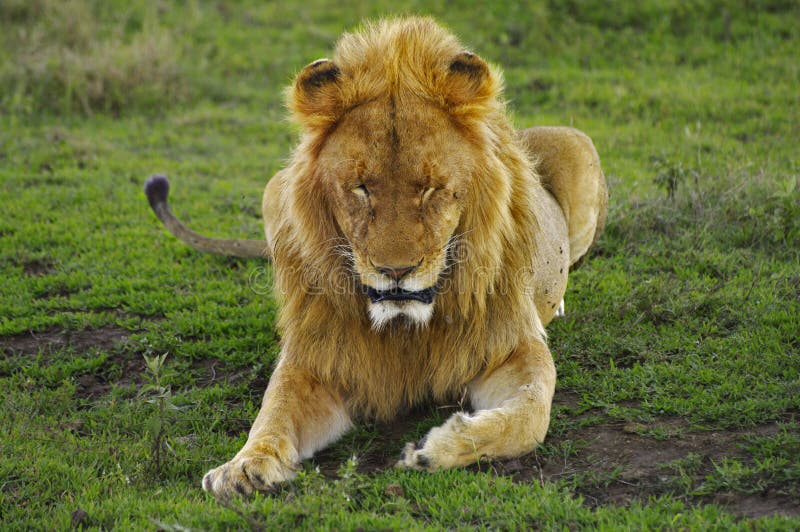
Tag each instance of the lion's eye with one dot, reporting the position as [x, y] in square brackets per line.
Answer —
[427, 193]
[361, 190]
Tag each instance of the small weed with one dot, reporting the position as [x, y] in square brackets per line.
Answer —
[670, 175]
[684, 471]
[157, 393]
[563, 451]
[689, 464]
[347, 487]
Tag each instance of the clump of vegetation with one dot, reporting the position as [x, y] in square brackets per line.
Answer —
[670, 175]
[66, 56]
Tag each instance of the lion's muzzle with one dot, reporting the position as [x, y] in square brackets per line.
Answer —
[416, 306]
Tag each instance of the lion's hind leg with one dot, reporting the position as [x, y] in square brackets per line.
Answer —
[570, 169]
[512, 413]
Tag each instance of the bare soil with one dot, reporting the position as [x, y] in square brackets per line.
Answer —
[610, 463]
[629, 466]
[121, 368]
[54, 339]
[124, 366]
[37, 267]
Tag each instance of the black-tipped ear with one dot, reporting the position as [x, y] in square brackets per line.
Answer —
[469, 79]
[319, 73]
[315, 98]
[469, 65]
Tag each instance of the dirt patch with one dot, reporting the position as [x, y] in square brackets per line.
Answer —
[618, 464]
[125, 365]
[49, 340]
[211, 371]
[125, 368]
[377, 446]
[37, 267]
[610, 464]
[121, 368]
[757, 505]
[613, 464]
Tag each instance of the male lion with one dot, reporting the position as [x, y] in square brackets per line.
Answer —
[419, 247]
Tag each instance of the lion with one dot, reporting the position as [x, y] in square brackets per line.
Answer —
[419, 245]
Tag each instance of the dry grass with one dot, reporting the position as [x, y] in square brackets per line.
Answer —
[61, 56]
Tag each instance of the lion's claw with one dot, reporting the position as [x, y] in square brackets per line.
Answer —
[243, 476]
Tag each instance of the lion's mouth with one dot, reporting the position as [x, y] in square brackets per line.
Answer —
[398, 294]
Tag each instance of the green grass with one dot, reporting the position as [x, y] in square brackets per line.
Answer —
[685, 322]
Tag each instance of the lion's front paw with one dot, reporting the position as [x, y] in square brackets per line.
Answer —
[415, 458]
[450, 445]
[245, 474]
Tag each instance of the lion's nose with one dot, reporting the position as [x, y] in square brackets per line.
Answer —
[396, 272]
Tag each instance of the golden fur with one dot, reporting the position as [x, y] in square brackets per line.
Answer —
[408, 162]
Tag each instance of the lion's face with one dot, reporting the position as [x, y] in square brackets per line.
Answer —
[396, 175]
[397, 132]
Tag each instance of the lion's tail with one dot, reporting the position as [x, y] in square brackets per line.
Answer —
[157, 190]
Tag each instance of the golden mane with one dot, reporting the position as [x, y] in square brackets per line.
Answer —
[487, 306]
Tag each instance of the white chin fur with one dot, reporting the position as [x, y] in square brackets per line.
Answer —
[385, 311]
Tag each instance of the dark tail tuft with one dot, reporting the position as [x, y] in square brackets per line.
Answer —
[157, 189]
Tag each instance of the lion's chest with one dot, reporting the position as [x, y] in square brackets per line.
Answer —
[382, 374]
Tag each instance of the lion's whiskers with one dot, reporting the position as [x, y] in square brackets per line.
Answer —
[454, 251]
[343, 250]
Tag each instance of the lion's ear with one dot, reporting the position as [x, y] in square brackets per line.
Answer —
[470, 80]
[315, 98]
